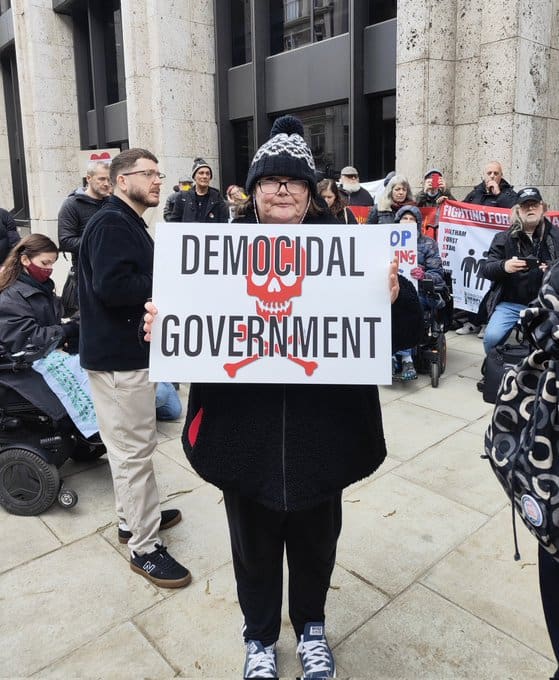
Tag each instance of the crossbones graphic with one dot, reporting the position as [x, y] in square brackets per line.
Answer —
[274, 293]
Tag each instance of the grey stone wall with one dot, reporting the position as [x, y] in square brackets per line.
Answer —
[475, 83]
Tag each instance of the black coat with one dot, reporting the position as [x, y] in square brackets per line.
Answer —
[114, 282]
[480, 196]
[361, 197]
[184, 209]
[290, 447]
[519, 287]
[30, 314]
[73, 215]
[9, 234]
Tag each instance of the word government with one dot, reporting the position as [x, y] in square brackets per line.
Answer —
[217, 254]
[237, 336]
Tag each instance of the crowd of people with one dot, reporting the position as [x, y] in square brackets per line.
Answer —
[281, 479]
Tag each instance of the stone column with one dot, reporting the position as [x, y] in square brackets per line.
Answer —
[170, 80]
[44, 49]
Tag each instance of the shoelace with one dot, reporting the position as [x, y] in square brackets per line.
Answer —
[316, 656]
[261, 664]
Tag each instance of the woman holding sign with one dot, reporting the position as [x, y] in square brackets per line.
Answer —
[282, 454]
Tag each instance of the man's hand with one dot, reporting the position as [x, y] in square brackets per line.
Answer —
[493, 187]
[151, 312]
[393, 282]
[418, 273]
[515, 265]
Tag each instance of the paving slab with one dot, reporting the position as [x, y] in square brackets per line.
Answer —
[455, 398]
[457, 361]
[23, 539]
[122, 653]
[454, 469]
[482, 577]
[63, 600]
[422, 635]
[480, 425]
[398, 530]
[428, 427]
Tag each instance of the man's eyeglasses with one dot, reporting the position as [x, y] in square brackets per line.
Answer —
[149, 174]
[272, 186]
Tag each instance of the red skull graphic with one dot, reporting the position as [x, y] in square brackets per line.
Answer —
[279, 282]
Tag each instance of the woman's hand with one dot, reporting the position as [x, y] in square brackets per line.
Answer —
[151, 311]
[393, 282]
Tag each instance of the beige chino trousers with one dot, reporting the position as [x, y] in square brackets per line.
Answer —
[125, 407]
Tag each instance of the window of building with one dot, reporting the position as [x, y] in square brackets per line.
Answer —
[382, 120]
[327, 134]
[240, 32]
[243, 134]
[5, 5]
[381, 10]
[294, 23]
[114, 55]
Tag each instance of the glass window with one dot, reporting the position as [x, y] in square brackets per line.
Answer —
[240, 32]
[327, 134]
[381, 10]
[114, 56]
[5, 6]
[330, 19]
[294, 23]
[243, 133]
[382, 119]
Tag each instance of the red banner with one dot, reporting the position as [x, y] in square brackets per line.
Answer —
[361, 212]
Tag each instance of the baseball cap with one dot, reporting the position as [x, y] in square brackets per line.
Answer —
[529, 194]
[349, 170]
[185, 180]
[432, 171]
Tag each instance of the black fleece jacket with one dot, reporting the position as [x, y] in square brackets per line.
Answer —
[73, 215]
[114, 282]
[290, 447]
[184, 209]
[9, 234]
[480, 196]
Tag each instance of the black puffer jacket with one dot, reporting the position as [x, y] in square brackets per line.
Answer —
[289, 447]
[519, 287]
[184, 209]
[480, 196]
[9, 235]
[73, 215]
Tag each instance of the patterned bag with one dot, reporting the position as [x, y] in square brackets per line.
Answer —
[522, 441]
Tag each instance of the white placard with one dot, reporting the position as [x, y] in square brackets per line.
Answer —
[272, 304]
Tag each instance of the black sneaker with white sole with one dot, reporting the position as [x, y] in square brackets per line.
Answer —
[168, 519]
[160, 568]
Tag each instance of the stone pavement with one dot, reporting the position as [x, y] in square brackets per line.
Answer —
[425, 584]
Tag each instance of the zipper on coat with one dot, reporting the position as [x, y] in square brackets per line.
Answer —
[283, 453]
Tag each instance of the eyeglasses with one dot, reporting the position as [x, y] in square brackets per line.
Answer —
[351, 176]
[149, 174]
[292, 186]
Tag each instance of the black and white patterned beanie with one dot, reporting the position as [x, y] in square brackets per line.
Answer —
[285, 154]
[200, 163]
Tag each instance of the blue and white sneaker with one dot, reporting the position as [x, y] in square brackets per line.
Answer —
[260, 661]
[315, 654]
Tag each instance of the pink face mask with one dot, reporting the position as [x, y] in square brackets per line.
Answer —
[38, 273]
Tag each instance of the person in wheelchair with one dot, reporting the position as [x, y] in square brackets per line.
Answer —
[429, 269]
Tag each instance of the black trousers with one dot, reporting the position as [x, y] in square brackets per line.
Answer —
[549, 589]
[258, 538]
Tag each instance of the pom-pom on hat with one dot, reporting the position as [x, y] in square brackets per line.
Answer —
[200, 163]
[285, 154]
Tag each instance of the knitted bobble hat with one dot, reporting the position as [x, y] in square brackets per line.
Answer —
[285, 154]
[200, 163]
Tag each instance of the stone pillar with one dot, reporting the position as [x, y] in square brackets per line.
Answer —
[44, 49]
[170, 80]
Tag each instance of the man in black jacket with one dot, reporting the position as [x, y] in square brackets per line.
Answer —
[9, 234]
[74, 214]
[202, 203]
[115, 279]
[516, 263]
[493, 190]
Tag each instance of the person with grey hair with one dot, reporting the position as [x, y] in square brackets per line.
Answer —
[396, 194]
[73, 215]
[350, 186]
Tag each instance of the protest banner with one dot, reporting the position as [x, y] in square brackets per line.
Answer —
[361, 212]
[271, 303]
[464, 236]
[403, 241]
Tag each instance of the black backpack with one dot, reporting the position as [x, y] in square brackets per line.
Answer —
[522, 441]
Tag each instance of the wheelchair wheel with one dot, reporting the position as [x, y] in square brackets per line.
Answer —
[28, 484]
[435, 373]
[441, 348]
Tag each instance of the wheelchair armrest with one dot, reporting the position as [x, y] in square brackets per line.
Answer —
[426, 286]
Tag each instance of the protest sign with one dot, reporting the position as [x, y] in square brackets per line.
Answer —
[465, 234]
[271, 303]
[361, 212]
[403, 240]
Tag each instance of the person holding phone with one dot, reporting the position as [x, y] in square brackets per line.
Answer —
[516, 264]
[435, 190]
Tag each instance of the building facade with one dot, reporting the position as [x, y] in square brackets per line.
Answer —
[451, 84]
